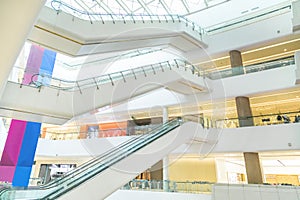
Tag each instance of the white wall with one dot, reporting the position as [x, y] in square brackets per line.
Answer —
[230, 10]
[243, 38]
[251, 34]
[296, 16]
[251, 139]
[251, 192]
[77, 148]
[259, 138]
[146, 195]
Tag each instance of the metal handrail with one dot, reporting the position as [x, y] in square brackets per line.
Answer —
[68, 85]
[58, 6]
[282, 62]
[248, 19]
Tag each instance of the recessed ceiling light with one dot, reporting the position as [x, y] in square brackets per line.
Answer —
[284, 49]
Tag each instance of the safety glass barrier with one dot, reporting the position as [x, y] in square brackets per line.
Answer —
[251, 18]
[91, 168]
[169, 186]
[73, 132]
[60, 6]
[260, 120]
[235, 71]
[45, 80]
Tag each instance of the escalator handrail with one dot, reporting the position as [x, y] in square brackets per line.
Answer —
[116, 158]
[96, 159]
[86, 165]
[142, 139]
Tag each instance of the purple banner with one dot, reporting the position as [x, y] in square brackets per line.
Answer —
[33, 64]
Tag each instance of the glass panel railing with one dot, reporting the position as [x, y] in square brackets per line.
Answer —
[251, 68]
[251, 18]
[261, 120]
[172, 186]
[60, 6]
[45, 80]
[74, 132]
[93, 167]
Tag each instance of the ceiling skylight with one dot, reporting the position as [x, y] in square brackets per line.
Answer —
[92, 9]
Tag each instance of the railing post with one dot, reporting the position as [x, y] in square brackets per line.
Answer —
[176, 63]
[153, 69]
[123, 77]
[112, 18]
[144, 71]
[96, 83]
[158, 19]
[78, 87]
[133, 74]
[112, 83]
[169, 65]
[162, 69]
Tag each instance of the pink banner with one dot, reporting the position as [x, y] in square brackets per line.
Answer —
[7, 173]
[33, 64]
[13, 143]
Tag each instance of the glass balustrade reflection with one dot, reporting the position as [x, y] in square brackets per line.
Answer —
[172, 186]
[283, 62]
[262, 120]
[39, 80]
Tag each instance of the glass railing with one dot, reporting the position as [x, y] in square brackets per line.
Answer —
[45, 80]
[261, 120]
[169, 186]
[59, 6]
[71, 134]
[247, 19]
[74, 178]
[235, 71]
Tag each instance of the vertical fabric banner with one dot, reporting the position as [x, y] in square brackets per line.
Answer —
[11, 150]
[18, 154]
[33, 64]
[47, 66]
[26, 156]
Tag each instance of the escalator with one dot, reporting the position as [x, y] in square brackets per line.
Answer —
[103, 175]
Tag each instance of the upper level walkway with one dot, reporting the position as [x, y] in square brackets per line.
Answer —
[56, 101]
[66, 33]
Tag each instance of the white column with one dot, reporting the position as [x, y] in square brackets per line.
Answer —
[165, 159]
[296, 15]
[165, 115]
[166, 173]
[297, 63]
[16, 21]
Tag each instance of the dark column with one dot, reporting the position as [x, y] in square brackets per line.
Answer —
[244, 111]
[236, 62]
[253, 168]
